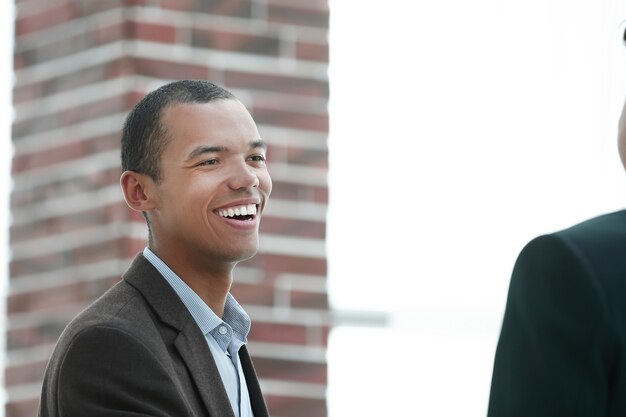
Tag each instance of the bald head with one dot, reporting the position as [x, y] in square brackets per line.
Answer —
[621, 136]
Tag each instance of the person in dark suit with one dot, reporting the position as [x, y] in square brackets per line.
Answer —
[562, 347]
[169, 339]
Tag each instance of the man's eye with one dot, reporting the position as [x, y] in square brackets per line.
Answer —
[208, 162]
[257, 158]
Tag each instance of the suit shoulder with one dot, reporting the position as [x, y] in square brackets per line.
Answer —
[600, 240]
[106, 365]
[121, 317]
[122, 308]
[595, 246]
[605, 227]
[594, 235]
[105, 340]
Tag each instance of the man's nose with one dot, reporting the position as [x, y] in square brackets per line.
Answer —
[242, 175]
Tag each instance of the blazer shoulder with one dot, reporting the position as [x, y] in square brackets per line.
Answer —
[603, 235]
[600, 243]
[122, 308]
[594, 248]
[106, 366]
[609, 228]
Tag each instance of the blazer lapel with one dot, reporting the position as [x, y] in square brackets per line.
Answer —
[190, 341]
[256, 397]
[193, 348]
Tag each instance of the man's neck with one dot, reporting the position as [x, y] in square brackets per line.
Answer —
[210, 280]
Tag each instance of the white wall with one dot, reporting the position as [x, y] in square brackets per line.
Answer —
[459, 131]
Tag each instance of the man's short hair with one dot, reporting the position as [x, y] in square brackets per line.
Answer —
[144, 137]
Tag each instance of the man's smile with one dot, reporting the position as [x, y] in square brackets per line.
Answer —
[241, 212]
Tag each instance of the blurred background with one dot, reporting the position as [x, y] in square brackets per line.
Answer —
[459, 131]
[415, 148]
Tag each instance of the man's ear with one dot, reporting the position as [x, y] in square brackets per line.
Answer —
[138, 190]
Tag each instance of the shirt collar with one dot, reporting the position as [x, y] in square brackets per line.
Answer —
[235, 323]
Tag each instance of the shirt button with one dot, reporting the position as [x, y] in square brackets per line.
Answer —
[223, 330]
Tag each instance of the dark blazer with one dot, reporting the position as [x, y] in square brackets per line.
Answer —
[138, 352]
[562, 349]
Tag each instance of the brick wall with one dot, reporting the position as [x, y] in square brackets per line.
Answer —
[80, 66]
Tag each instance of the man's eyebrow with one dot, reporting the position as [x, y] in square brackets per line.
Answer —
[258, 144]
[200, 150]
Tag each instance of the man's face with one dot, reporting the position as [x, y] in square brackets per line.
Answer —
[214, 183]
[621, 136]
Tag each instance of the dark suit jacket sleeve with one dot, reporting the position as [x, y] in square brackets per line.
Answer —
[555, 350]
[107, 372]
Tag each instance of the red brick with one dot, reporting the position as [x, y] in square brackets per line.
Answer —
[171, 70]
[54, 298]
[308, 300]
[282, 13]
[70, 116]
[57, 225]
[116, 212]
[86, 254]
[63, 188]
[290, 227]
[24, 408]
[232, 41]
[129, 248]
[276, 83]
[82, 113]
[87, 8]
[22, 163]
[154, 32]
[279, 333]
[234, 8]
[180, 5]
[286, 118]
[295, 407]
[309, 372]
[18, 62]
[255, 294]
[45, 263]
[312, 51]
[50, 51]
[72, 79]
[25, 374]
[321, 196]
[307, 157]
[275, 264]
[299, 192]
[297, 5]
[37, 335]
[48, 17]
[94, 36]
[110, 33]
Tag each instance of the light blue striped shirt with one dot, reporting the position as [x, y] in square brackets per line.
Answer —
[224, 337]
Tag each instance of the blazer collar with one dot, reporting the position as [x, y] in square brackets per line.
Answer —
[162, 298]
[190, 341]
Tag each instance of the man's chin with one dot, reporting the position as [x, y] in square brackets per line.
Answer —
[247, 256]
[244, 254]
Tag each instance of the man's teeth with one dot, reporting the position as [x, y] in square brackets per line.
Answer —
[246, 210]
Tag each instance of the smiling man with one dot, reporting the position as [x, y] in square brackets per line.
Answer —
[169, 339]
